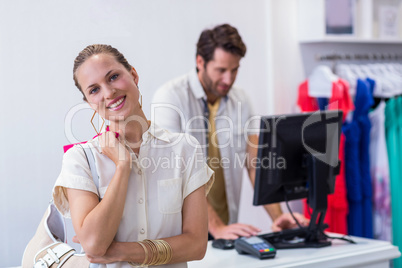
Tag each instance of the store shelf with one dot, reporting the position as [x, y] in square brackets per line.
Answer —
[313, 28]
[350, 39]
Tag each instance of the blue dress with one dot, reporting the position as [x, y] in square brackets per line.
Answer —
[357, 163]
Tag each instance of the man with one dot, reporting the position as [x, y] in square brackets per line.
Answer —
[205, 104]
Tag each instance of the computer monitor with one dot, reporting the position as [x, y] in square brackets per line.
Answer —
[298, 158]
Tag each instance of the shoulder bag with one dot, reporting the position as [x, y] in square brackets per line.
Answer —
[48, 247]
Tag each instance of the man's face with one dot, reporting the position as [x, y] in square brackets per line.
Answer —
[219, 74]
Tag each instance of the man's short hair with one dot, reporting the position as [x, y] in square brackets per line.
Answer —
[222, 36]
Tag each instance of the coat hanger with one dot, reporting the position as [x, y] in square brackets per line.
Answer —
[357, 70]
[388, 83]
[320, 82]
[344, 71]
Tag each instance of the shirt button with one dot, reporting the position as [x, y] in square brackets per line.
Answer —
[139, 172]
[142, 231]
[140, 200]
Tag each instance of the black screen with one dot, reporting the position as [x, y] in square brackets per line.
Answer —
[285, 141]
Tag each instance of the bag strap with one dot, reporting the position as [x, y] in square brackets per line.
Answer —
[92, 166]
[56, 253]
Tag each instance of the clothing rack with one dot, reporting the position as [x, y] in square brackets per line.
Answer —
[359, 56]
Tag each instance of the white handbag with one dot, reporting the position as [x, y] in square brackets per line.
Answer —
[48, 247]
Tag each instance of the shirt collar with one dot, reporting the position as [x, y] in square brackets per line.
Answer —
[155, 131]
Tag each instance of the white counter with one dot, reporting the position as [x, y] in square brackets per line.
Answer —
[366, 253]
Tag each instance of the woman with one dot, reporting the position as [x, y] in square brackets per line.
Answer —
[152, 183]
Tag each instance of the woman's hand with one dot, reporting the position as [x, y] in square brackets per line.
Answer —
[117, 251]
[112, 255]
[114, 149]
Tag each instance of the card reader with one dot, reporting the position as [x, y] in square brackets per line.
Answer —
[255, 246]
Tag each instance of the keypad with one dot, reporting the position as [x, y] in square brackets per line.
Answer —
[262, 247]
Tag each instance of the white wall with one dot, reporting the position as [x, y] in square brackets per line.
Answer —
[286, 59]
[285, 73]
[38, 42]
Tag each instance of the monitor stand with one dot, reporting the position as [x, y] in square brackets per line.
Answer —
[298, 238]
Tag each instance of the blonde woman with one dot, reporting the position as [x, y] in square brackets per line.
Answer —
[151, 207]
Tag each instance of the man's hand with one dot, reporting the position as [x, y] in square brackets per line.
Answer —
[286, 221]
[233, 231]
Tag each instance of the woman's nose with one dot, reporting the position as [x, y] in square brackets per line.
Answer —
[110, 92]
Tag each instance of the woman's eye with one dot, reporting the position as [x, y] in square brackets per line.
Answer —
[113, 77]
[94, 90]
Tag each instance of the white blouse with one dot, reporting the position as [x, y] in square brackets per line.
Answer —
[169, 167]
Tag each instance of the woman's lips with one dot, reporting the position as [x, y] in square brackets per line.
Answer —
[117, 104]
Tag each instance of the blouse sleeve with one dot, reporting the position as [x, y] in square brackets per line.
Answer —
[75, 174]
[197, 172]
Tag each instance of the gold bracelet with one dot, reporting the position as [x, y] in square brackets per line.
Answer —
[145, 259]
[158, 252]
[153, 250]
[161, 251]
[169, 251]
[146, 253]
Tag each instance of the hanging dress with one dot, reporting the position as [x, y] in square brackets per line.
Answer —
[379, 170]
[357, 164]
[394, 146]
[337, 202]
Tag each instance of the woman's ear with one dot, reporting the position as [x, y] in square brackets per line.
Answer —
[135, 75]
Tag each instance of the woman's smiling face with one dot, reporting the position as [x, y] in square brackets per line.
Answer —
[109, 87]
